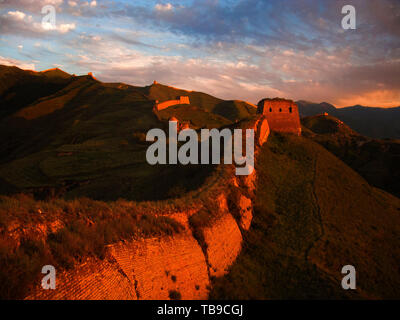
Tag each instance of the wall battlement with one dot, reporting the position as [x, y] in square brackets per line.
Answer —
[166, 104]
[282, 115]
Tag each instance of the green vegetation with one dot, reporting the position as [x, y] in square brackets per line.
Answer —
[65, 232]
[313, 215]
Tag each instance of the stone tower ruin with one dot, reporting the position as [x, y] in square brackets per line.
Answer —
[282, 115]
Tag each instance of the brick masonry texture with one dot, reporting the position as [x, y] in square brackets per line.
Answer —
[223, 241]
[159, 265]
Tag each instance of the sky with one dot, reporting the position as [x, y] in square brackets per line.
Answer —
[243, 49]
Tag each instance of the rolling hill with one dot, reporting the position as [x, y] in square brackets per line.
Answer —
[233, 110]
[378, 123]
[59, 135]
[378, 161]
[19, 88]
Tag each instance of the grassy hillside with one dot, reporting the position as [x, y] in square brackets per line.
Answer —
[378, 161]
[83, 133]
[232, 110]
[19, 88]
[82, 137]
[197, 117]
[314, 215]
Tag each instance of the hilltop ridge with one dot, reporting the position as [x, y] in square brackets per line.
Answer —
[55, 72]
[380, 123]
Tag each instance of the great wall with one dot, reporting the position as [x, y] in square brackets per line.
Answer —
[181, 264]
[282, 114]
[166, 104]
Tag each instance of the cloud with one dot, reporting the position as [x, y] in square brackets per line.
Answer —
[63, 28]
[163, 7]
[75, 8]
[290, 74]
[244, 49]
[298, 24]
[34, 6]
[20, 23]
[18, 63]
[16, 15]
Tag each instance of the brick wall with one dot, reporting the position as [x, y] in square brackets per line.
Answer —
[159, 265]
[92, 280]
[224, 242]
[151, 268]
[169, 103]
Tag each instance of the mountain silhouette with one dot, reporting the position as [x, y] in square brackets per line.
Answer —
[379, 123]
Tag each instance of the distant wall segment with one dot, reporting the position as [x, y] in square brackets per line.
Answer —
[166, 104]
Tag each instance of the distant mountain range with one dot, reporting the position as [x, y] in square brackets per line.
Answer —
[379, 123]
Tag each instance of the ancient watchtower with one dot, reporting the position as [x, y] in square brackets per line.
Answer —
[282, 115]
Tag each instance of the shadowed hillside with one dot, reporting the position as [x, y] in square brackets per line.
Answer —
[378, 161]
[19, 88]
[233, 110]
[314, 215]
[77, 136]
